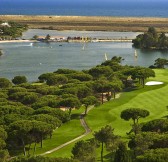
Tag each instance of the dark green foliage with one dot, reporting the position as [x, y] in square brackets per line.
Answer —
[157, 125]
[3, 134]
[47, 90]
[47, 100]
[42, 159]
[65, 71]
[3, 95]
[105, 136]
[64, 96]
[145, 141]
[44, 77]
[160, 63]
[122, 154]
[101, 86]
[61, 115]
[3, 152]
[81, 76]
[25, 132]
[141, 73]
[89, 100]
[57, 80]
[18, 96]
[70, 90]
[84, 151]
[29, 98]
[24, 97]
[70, 103]
[4, 155]
[10, 118]
[53, 79]
[83, 91]
[140, 143]
[134, 114]
[11, 109]
[19, 79]
[13, 30]
[48, 119]
[151, 39]
[5, 83]
[159, 140]
[114, 64]
[16, 89]
[156, 155]
[100, 71]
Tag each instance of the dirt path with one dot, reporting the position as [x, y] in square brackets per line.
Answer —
[87, 131]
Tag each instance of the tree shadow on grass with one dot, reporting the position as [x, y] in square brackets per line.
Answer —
[75, 116]
[130, 89]
[109, 157]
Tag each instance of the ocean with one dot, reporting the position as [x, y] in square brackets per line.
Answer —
[133, 8]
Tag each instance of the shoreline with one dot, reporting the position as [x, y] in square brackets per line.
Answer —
[89, 23]
[71, 41]
[17, 41]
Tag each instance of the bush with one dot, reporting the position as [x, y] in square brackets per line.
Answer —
[19, 80]
[3, 95]
[30, 98]
[16, 89]
[5, 83]
[61, 115]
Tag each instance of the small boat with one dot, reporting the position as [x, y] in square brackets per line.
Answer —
[83, 48]
[135, 54]
[105, 55]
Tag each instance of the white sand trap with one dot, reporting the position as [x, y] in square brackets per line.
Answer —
[154, 83]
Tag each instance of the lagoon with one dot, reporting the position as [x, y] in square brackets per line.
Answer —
[34, 59]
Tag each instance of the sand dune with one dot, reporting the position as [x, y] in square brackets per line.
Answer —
[90, 22]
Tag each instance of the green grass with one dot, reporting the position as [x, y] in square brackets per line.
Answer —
[63, 134]
[151, 98]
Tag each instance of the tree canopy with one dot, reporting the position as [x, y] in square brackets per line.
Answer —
[151, 40]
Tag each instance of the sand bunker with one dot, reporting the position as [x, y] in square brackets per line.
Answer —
[154, 83]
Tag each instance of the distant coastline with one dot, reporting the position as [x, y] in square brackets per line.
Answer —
[90, 23]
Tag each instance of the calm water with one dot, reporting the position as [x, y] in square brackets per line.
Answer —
[144, 8]
[34, 59]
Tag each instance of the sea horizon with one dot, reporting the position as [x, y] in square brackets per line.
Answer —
[121, 8]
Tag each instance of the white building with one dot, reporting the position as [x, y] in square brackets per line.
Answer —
[5, 24]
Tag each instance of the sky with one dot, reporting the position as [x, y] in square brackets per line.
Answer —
[81, 1]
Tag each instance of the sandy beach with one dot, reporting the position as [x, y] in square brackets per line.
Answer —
[16, 41]
[90, 23]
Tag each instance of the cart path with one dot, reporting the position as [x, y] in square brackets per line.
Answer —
[84, 125]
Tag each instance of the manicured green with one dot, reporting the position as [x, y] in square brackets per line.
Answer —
[65, 133]
[151, 98]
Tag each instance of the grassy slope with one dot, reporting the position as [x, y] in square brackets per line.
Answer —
[65, 133]
[152, 98]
